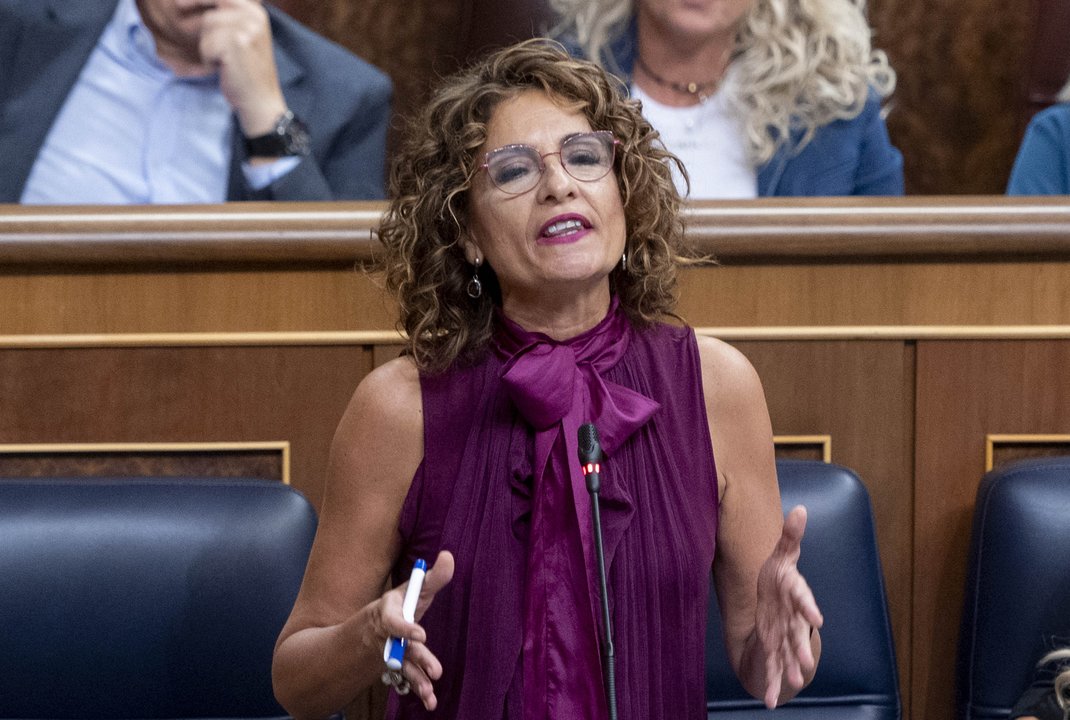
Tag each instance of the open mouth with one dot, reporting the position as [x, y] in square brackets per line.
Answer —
[562, 227]
[565, 227]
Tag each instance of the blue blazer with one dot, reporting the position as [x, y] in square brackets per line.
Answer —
[344, 101]
[1042, 166]
[845, 157]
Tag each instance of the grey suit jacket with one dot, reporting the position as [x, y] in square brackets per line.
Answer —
[344, 101]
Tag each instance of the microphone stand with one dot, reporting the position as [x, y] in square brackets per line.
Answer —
[590, 452]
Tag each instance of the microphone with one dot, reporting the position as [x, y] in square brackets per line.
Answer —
[590, 452]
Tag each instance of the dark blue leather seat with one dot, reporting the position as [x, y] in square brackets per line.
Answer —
[1017, 599]
[145, 599]
[857, 677]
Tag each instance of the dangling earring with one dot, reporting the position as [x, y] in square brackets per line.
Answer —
[475, 288]
[624, 261]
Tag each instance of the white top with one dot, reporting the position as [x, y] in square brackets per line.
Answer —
[709, 139]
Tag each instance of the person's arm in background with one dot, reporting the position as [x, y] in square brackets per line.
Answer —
[236, 40]
[350, 101]
[1041, 167]
[880, 164]
[331, 647]
[352, 162]
[770, 615]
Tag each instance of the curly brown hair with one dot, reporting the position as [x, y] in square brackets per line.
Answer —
[421, 232]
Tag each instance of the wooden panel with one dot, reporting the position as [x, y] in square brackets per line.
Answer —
[210, 301]
[1049, 65]
[748, 296]
[955, 110]
[803, 447]
[268, 461]
[107, 395]
[966, 391]
[337, 235]
[1003, 449]
[877, 294]
[292, 267]
[860, 394]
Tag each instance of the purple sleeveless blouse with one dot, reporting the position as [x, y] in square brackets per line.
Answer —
[517, 629]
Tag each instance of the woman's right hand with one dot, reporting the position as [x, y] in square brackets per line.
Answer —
[421, 668]
[331, 649]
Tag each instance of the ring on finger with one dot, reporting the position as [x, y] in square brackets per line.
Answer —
[394, 679]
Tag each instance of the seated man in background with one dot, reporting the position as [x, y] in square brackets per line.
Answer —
[182, 101]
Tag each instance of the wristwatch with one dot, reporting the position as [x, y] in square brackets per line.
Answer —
[289, 137]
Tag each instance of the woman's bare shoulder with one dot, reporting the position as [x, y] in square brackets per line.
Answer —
[388, 394]
[726, 372]
[396, 379]
[383, 425]
[738, 419]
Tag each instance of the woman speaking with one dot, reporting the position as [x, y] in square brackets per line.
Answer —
[533, 243]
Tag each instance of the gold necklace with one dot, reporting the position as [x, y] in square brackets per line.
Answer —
[699, 90]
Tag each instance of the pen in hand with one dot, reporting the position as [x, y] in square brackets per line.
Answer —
[394, 650]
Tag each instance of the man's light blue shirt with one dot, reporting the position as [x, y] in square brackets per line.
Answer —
[131, 131]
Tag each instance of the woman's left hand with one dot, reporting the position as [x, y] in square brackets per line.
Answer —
[786, 614]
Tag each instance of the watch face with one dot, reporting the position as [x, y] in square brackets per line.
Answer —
[298, 141]
[289, 137]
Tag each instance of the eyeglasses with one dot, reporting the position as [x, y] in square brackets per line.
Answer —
[516, 169]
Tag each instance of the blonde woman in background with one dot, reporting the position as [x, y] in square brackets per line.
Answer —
[757, 97]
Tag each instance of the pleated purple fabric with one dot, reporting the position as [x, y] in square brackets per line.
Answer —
[517, 629]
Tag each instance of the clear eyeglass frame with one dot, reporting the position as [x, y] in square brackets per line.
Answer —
[525, 158]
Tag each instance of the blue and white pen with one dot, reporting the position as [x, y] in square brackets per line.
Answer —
[394, 651]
